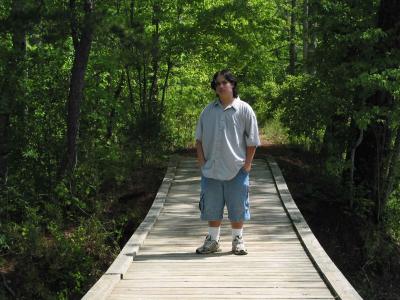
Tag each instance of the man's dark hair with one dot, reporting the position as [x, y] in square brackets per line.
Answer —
[229, 77]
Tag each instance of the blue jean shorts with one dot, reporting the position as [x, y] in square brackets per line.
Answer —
[234, 193]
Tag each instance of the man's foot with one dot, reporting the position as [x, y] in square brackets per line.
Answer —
[209, 246]
[238, 247]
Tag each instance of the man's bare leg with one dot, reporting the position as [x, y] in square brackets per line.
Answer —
[237, 225]
[214, 223]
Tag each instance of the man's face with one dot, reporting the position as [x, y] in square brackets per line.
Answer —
[224, 87]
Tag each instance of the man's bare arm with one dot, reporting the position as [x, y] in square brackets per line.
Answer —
[200, 154]
[250, 151]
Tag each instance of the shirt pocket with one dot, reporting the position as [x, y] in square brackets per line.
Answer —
[235, 129]
[236, 123]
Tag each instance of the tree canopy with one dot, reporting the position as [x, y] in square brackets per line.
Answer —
[92, 90]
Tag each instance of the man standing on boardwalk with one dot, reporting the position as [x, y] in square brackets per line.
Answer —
[226, 140]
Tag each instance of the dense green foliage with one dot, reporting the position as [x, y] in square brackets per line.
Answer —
[143, 86]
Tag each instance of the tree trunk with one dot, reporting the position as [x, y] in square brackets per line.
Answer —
[155, 106]
[352, 158]
[165, 86]
[130, 89]
[312, 28]
[292, 46]
[4, 127]
[374, 154]
[10, 86]
[334, 137]
[153, 93]
[111, 115]
[305, 35]
[393, 162]
[132, 12]
[82, 45]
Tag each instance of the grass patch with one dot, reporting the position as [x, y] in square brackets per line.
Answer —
[274, 132]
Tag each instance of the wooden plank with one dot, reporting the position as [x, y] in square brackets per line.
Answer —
[223, 276]
[242, 297]
[225, 234]
[225, 245]
[333, 277]
[253, 243]
[295, 274]
[277, 267]
[194, 297]
[277, 256]
[202, 283]
[209, 292]
[274, 256]
[261, 261]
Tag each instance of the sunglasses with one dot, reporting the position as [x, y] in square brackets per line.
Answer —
[223, 82]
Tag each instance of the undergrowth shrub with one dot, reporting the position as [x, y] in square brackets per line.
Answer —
[53, 263]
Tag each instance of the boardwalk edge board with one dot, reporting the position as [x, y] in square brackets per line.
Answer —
[332, 276]
[104, 286]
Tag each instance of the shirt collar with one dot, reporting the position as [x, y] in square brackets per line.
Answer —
[234, 104]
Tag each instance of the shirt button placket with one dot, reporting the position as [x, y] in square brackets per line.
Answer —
[218, 146]
[221, 134]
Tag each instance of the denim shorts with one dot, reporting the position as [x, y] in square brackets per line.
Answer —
[234, 193]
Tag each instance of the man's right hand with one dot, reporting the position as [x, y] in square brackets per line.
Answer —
[200, 154]
[201, 162]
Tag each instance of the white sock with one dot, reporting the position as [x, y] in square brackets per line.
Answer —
[214, 232]
[237, 232]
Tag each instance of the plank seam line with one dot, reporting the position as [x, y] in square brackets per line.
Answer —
[332, 276]
[104, 286]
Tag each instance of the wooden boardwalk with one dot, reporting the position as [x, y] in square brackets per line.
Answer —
[279, 265]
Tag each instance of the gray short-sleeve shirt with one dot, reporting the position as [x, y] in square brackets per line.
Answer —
[225, 134]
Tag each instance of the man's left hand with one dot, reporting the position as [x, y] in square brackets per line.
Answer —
[247, 167]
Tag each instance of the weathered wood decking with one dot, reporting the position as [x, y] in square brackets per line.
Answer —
[285, 261]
